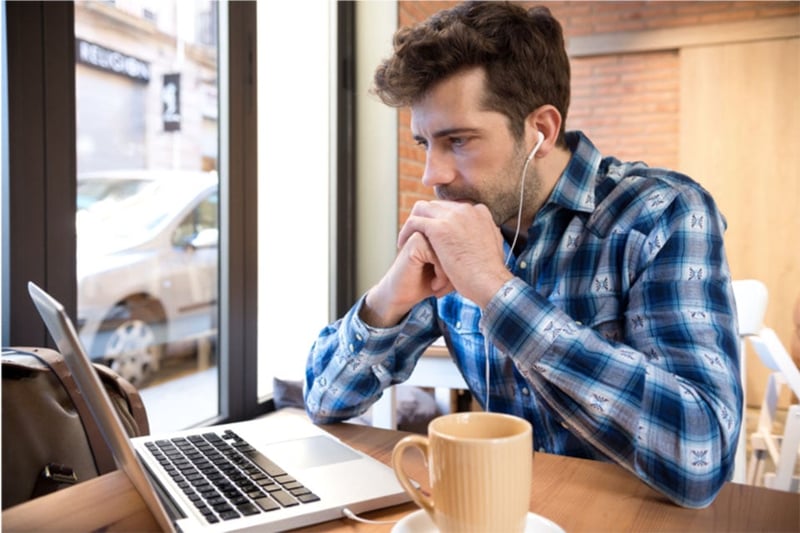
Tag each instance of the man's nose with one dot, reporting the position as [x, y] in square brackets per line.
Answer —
[439, 170]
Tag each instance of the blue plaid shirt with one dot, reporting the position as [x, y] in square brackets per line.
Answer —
[617, 337]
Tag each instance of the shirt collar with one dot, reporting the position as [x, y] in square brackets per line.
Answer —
[575, 188]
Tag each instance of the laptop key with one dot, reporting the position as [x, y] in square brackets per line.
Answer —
[308, 498]
[267, 504]
[229, 515]
[248, 486]
[284, 498]
[222, 508]
[247, 509]
[239, 500]
[214, 502]
[230, 493]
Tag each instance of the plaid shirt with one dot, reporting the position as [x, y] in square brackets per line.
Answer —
[617, 337]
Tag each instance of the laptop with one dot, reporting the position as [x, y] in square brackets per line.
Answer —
[269, 474]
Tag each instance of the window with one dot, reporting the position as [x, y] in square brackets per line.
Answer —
[48, 150]
[306, 250]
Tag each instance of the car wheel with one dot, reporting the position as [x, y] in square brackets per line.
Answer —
[133, 349]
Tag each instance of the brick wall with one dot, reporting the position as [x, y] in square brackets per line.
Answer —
[627, 104]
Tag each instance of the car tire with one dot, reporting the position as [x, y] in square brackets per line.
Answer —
[134, 347]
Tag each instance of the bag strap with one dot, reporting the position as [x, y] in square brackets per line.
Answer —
[132, 397]
[103, 459]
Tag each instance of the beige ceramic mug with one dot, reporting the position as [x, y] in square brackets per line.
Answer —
[480, 469]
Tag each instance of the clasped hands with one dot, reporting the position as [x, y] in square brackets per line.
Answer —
[443, 246]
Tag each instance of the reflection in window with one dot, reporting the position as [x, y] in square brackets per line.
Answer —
[198, 228]
[147, 204]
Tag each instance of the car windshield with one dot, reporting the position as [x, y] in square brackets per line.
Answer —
[138, 209]
[92, 191]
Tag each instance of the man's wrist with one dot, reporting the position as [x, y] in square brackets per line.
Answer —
[376, 315]
[491, 288]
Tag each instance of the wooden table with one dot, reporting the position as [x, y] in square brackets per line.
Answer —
[577, 494]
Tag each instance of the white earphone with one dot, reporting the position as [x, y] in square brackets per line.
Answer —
[510, 251]
[538, 145]
[522, 190]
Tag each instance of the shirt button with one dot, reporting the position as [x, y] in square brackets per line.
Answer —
[541, 449]
[458, 325]
[322, 382]
[359, 337]
[523, 264]
[525, 391]
[352, 349]
[578, 322]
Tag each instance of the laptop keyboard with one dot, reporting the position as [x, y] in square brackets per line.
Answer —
[225, 477]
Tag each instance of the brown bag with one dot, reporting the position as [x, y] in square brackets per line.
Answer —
[50, 438]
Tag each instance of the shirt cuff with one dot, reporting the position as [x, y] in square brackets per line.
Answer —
[361, 337]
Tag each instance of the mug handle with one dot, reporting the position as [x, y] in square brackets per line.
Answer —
[421, 443]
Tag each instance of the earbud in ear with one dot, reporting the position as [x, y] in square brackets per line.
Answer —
[538, 144]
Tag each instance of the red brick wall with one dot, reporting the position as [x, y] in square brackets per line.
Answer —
[627, 104]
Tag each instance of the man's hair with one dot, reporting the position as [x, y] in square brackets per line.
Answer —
[522, 53]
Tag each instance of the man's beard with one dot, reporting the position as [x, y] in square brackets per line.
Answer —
[500, 193]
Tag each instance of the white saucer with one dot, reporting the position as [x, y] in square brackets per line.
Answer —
[420, 522]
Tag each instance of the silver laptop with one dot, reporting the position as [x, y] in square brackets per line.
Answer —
[269, 474]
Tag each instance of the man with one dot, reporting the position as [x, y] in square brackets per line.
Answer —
[591, 297]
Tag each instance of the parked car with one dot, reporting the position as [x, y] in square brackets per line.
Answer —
[147, 265]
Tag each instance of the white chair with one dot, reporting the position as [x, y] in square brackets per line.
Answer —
[751, 302]
[784, 448]
[751, 305]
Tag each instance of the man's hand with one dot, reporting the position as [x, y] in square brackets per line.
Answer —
[443, 246]
[466, 243]
[415, 275]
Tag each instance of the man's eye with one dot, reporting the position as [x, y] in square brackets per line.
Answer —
[422, 143]
[458, 141]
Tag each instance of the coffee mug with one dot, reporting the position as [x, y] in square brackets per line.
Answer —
[480, 470]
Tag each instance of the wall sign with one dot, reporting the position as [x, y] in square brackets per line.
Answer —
[98, 56]
[171, 102]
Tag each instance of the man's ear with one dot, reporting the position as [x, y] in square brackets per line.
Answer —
[547, 120]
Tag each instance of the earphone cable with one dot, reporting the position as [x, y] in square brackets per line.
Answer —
[510, 252]
[353, 516]
[521, 199]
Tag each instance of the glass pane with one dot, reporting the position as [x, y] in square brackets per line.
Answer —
[147, 199]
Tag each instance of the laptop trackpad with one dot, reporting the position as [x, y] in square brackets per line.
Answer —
[308, 452]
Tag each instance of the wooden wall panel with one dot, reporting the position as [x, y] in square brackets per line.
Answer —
[740, 138]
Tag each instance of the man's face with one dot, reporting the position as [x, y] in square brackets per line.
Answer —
[471, 154]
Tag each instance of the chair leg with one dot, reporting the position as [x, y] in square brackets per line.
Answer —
[755, 467]
[784, 469]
